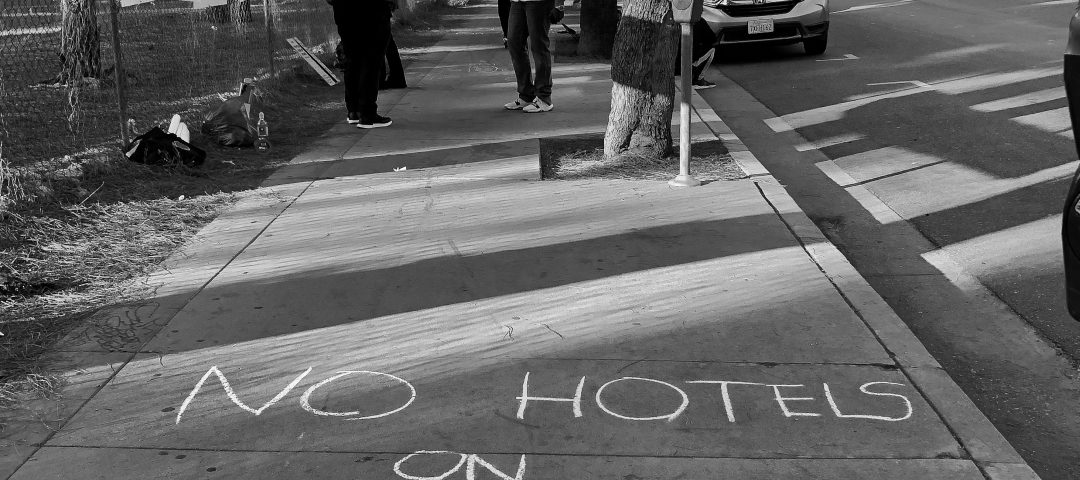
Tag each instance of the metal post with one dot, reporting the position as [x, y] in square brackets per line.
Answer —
[268, 20]
[121, 77]
[684, 179]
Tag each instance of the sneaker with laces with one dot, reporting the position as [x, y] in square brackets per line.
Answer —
[517, 104]
[701, 84]
[538, 106]
[353, 118]
[375, 122]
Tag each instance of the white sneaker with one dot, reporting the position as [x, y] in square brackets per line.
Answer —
[538, 106]
[516, 104]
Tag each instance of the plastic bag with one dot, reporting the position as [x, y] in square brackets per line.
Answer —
[228, 125]
[156, 147]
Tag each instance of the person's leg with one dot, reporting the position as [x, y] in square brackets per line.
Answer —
[374, 39]
[395, 76]
[519, 55]
[353, 52]
[539, 23]
[703, 49]
[504, 19]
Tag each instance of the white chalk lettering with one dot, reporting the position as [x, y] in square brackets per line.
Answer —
[470, 470]
[397, 466]
[907, 403]
[232, 395]
[524, 398]
[725, 394]
[781, 400]
[305, 400]
[670, 417]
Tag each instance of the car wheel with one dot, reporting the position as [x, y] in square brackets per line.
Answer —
[816, 45]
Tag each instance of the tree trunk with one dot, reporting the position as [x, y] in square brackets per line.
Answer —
[599, 20]
[236, 11]
[642, 69]
[80, 41]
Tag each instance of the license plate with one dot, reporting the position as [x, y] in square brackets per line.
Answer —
[759, 26]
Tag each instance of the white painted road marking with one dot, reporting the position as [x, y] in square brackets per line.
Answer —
[1053, 121]
[1022, 100]
[847, 56]
[835, 112]
[829, 142]
[874, 5]
[1052, 2]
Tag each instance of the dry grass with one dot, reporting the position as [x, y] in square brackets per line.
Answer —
[76, 233]
[582, 157]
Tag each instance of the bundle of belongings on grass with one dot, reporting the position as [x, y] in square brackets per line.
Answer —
[158, 147]
[230, 124]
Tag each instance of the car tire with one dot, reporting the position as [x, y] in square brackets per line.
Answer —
[816, 45]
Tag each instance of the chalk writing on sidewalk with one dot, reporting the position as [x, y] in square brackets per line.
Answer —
[785, 401]
[791, 400]
[470, 461]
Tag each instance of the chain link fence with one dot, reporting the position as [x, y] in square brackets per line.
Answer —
[72, 72]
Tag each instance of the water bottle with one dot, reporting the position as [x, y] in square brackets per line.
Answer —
[263, 143]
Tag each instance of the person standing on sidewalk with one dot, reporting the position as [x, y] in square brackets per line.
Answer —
[703, 51]
[529, 21]
[364, 27]
[504, 19]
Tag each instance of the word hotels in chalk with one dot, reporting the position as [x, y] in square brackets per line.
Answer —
[787, 397]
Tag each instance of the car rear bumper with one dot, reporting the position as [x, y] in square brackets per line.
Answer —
[808, 19]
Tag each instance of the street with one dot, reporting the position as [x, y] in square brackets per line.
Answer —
[931, 143]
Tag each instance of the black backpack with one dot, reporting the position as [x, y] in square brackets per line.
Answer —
[156, 147]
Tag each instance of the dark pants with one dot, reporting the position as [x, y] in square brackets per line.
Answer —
[504, 15]
[529, 22]
[704, 42]
[393, 73]
[364, 27]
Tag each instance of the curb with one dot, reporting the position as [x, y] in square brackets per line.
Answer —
[985, 446]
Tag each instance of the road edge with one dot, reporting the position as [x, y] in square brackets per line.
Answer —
[985, 445]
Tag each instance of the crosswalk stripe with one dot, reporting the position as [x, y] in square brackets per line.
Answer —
[1056, 120]
[1022, 100]
[991, 80]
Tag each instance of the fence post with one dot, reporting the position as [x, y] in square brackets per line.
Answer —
[121, 76]
[269, 37]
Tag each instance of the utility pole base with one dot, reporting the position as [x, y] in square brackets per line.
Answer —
[684, 181]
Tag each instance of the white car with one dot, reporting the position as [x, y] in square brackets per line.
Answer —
[735, 22]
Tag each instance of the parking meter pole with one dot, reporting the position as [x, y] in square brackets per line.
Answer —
[684, 179]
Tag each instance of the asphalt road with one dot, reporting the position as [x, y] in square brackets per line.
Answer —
[931, 142]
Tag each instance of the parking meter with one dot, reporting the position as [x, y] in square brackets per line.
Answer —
[686, 11]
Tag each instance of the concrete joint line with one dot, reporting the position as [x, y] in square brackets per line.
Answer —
[977, 438]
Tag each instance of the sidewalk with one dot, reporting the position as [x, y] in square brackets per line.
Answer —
[463, 319]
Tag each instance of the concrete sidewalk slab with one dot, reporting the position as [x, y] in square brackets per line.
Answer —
[126, 463]
[372, 321]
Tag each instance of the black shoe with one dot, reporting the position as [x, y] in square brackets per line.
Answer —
[353, 118]
[375, 122]
[701, 84]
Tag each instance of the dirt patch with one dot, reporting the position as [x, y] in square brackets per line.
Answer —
[575, 157]
[84, 228]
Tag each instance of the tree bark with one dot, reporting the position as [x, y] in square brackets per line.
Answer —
[80, 41]
[599, 20]
[236, 11]
[643, 89]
